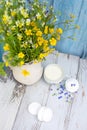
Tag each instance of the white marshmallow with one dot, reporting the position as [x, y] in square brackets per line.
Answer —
[40, 114]
[34, 107]
[45, 114]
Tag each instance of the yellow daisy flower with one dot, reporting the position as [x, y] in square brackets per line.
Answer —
[13, 13]
[45, 42]
[19, 37]
[24, 12]
[25, 72]
[13, 28]
[28, 32]
[53, 41]
[21, 62]
[33, 23]
[59, 30]
[51, 30]
[41, 56]
[21, 55]
[6, 47]
[39, 33]
[5, 18]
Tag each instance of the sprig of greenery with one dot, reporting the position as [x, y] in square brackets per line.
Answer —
[2, 71]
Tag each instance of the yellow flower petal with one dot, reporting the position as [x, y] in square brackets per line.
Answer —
[46, 30]
[6, 64]
[58, 38]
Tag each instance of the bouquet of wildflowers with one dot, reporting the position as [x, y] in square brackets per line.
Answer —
[27, 31]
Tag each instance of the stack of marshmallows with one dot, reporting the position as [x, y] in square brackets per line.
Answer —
[43, 113]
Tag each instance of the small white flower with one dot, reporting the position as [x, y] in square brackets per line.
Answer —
[43, 24]
[30, 41]
[8, 3]
[17, 23]
[28, 22]
[32, 8]
[20, 8]
[22, 21]
[38, 16]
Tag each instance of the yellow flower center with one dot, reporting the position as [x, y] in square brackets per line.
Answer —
[39, 33]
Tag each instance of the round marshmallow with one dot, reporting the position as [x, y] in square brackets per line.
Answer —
[34, 107]
[45, 114]
[72, 85]
[40, 113]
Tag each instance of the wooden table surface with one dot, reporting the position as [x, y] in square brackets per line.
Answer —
[14, 115]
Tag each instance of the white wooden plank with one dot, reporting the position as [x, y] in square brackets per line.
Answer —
[61, 109]
[69, 64]
[8, 109]
[36, 93]
[78, 117]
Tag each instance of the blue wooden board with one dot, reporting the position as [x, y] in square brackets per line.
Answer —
[79, 8]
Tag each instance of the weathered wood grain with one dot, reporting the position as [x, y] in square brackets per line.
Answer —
[78, 116]
[79, 9]
[61, 108]
[66, 116]
[8, 109]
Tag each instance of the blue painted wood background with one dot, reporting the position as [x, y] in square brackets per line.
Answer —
[79, 8]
